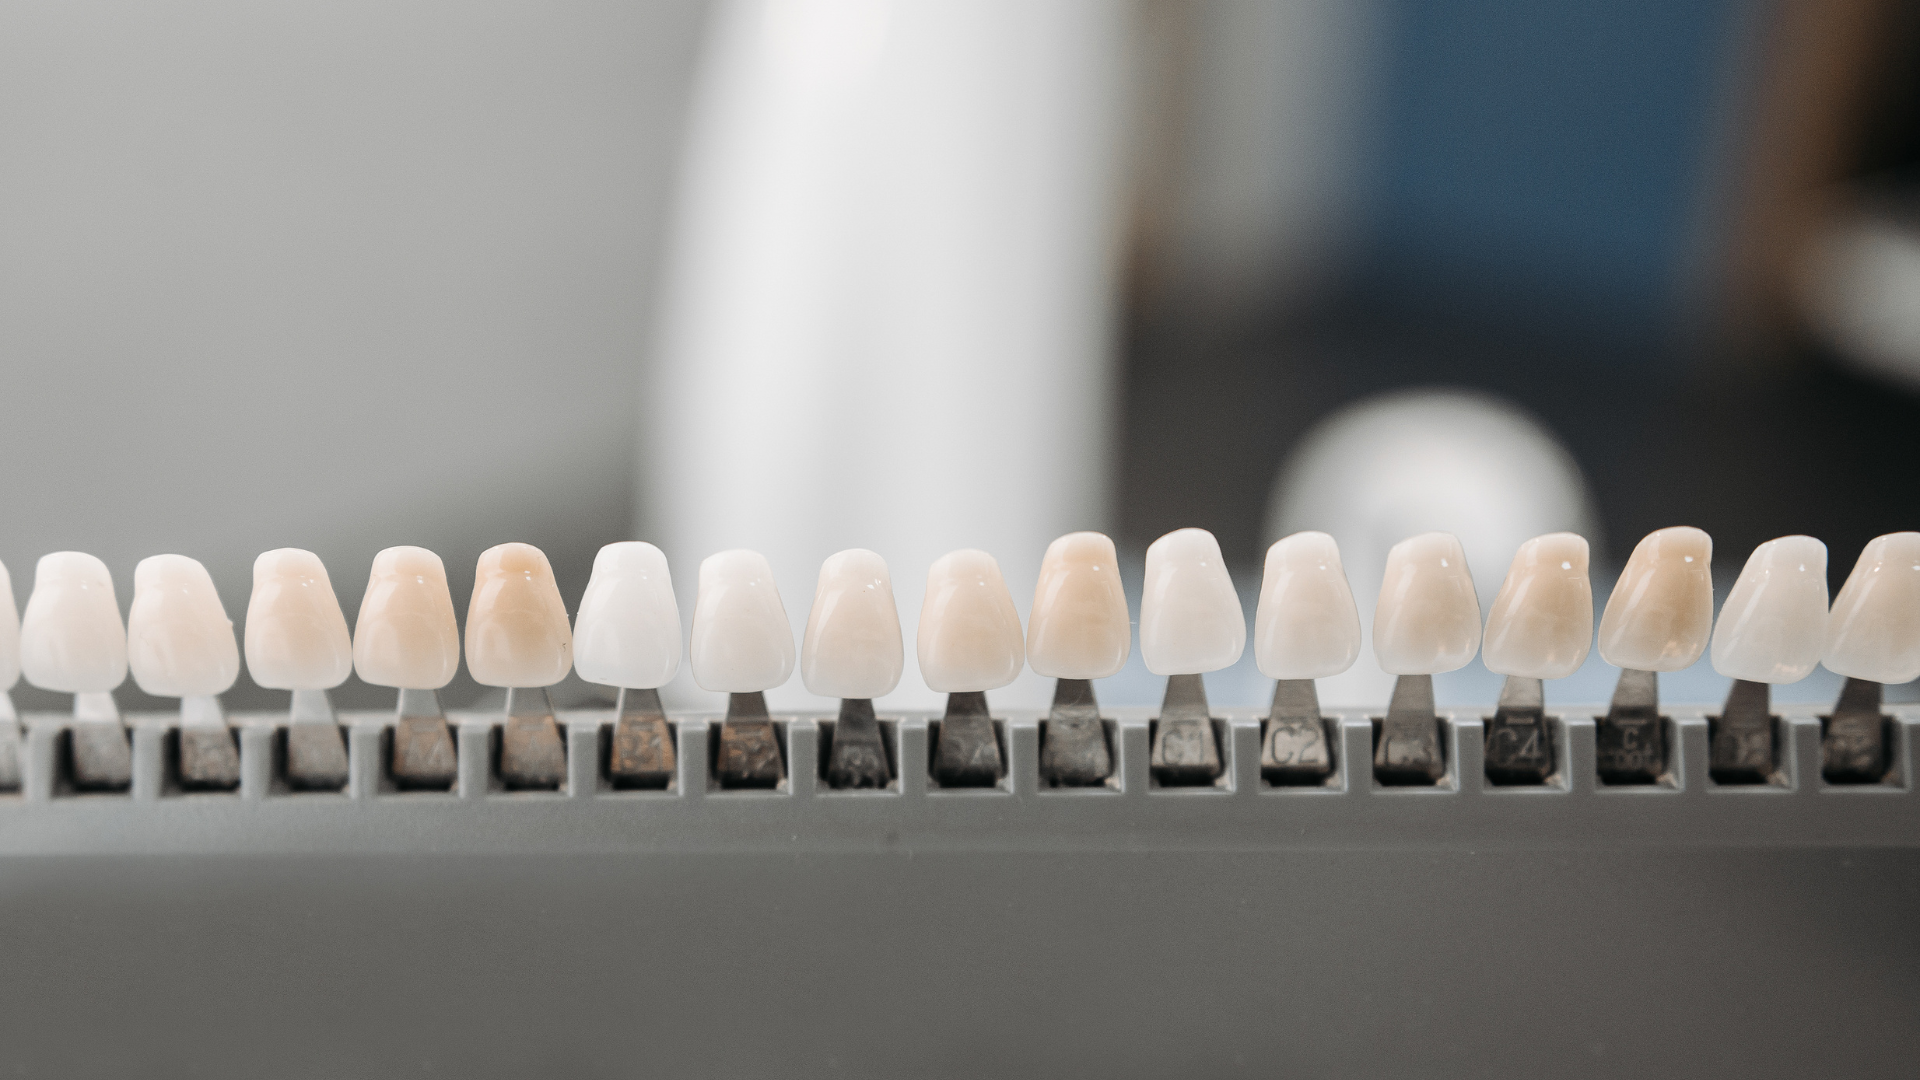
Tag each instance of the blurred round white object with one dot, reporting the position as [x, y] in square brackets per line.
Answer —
[1860, 286]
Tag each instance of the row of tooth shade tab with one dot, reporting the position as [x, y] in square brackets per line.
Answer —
[1775, 626]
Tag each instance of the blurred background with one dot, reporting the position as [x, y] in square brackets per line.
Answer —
[802, 275]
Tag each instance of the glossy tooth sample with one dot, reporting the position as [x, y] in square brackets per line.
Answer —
[296, 634]
[1661, 611]
[406, 636]
[1307, 625]
[1541, 624]
[853, 647]
[1773, 626]
[1191, 621]
[1428, 619]
[970, 637]
[180, 642]
[9, 634]
[1079, 627]
[742, 642]
[517, 632]
[628, 629]
[71, 638]
[1873, 632]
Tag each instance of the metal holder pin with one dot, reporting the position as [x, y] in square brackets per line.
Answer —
[1294, 749]
[749, 745]
[1519, 745]
[1853, 748]
[1630, 742]
[316, 751]
[858, 756]
[643, 755]
[1407, 749]
[533, 757]
[10, 744]
[1740, 748]
[209, 750]
[1185, 750]
[1073, 738]
[423, 756]
[968, 752]
[100, 752]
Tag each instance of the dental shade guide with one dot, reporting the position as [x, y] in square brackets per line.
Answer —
[1427, 622]
[1078, 630]
[970, 642]
[1772, 629]
[1306, 627]
[643, 754]
[1073, 748]
[1191, 623]
[1873, 638]
[853, 651]
[1540, 627]
[1659, 618]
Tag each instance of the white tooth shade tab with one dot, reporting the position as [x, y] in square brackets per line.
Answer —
[180, 642]
[9, 634]
[970, 637]
[1541, 623]
[742, 642]
[1307, 625]
[71, 637]
[296, 634]
[1661, 612]
[1191, 621]
[853, 647]
[406, 636]
[517, 630]
[1873, 632]
[1428, 618]
[628, 629]
[1773, 626]
[1079, 627]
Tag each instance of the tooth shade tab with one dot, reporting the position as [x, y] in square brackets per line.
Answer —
[180, 642]
[71, 637]
[406, 636]
[1191, 621]
[853, 647]
[1428, 618]
[1079, 627]
[9, 634]
[296, 634]
[970, 639]
[1773, 626]
[517, 631]
[742, 641]
[1307, 625]
[1873, 632]
[1660, 615]
[1541, 623]
[628, 631]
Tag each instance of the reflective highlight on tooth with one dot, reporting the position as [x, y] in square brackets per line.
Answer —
[1307, 625]
[742, 642]
[628, 631]
[180, 642]
[406, 636]
[71, 638]
[517, 632]
[1660, 615]
[1079, 627]
[296, 634]
[1773, 626]
[970, 638]
[1873, 632]
[1191, 621]
[1541, 623]
[853, 647]
[1428, 618]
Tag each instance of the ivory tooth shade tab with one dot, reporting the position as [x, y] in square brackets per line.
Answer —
[1772, 628]
[969, 642]
[1658, 619]
[1078, 631]
[180, 643]
[1540, 627]
[72, 641]
[406, 638]
[853, 651]
[742, 647]
[1873, 637]
[518, 638]
[1190, 623]
[628, 635]
[10, 745]
[1427, 622]
[297, 640]
[1307, 627]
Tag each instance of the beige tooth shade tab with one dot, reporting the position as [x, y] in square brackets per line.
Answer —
[1660, 615]
[1079, 627]
[71, 638]
[742, 641]
[180, 642]
[1773, 626]
[628, 629]
[1191, 621]
[296, 634]
[853, 647]
[1873, 632]
[1541, 623]
[517, 630]
[970, 637]
[9, 634]
[1428, 618]
[406, 636]
[1307, 625]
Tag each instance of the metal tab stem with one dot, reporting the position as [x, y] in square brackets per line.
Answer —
[1741, 737]
[209, 750]
[1408, 750]
[1854, 747]
[1073, 738]
[858, 756]
[1630, 743]
[1185, 749]
[1294, 748]
[423, 755]
[749, 745]
[968, 753]
[316, 749]
[533, 757]
[643, 754]
[1519, 745]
